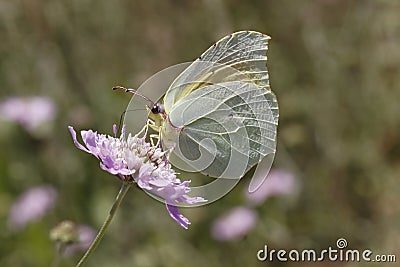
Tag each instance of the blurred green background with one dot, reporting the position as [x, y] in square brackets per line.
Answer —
[334, 66]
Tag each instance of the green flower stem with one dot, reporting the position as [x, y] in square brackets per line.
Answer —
[100, 234]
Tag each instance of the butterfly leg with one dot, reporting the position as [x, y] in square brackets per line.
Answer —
[152, 125]
[154, 137]
[144, 130]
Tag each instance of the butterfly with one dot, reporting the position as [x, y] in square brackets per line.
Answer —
[220, 116]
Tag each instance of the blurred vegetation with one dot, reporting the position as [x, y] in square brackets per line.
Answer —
[334, 66]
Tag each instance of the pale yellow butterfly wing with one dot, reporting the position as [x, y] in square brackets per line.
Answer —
[222, 114]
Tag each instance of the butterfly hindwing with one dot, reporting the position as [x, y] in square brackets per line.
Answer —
[236, 117]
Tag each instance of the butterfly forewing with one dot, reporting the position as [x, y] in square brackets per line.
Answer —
[236, 57]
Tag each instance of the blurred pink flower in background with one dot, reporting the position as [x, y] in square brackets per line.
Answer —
[234, 224]
[86, 237]
[278, 182]
[32, 205]
[30, 112]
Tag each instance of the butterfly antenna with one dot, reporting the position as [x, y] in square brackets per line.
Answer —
[133, 91]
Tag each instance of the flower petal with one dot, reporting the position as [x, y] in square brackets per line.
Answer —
[177, 216]
[77, 144]
[115, 129]
[89, 138]
[143, 183]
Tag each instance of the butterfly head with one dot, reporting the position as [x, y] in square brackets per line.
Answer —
[157, 108]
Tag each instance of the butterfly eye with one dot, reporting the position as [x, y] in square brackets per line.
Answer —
[157, 108]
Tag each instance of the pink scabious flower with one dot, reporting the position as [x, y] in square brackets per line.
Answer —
[234, 224]
[72, 237]
[132, 159]
[279, 182]
[30, 112]
[86, 235]
[32, 205]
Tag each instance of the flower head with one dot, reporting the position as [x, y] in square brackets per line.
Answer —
[32, 205]
[278, 182]
[86, 236]
[30, 112]
[132, 159]
[234, 224]
[74, 237]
